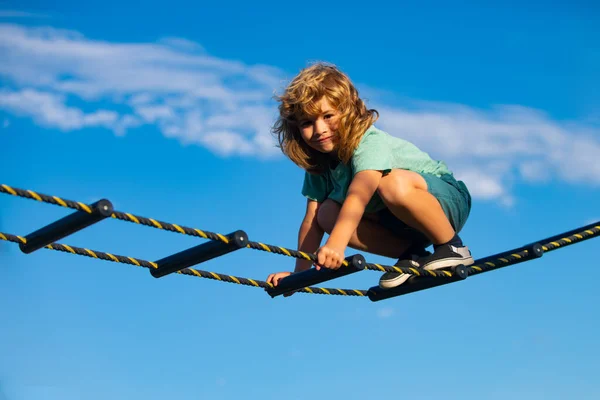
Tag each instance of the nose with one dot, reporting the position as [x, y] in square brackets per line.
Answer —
[320, 126]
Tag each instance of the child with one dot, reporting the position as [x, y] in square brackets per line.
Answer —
[367, 189]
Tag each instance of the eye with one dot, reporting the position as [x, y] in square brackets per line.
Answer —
[304, 123]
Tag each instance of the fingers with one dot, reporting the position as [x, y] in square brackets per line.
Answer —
[274, 279]
[328, 258]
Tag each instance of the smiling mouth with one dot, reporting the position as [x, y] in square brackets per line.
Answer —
[323, 139]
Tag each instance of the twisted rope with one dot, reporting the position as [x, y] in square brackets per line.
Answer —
[184, 230]
[188, 271]
[482, 265]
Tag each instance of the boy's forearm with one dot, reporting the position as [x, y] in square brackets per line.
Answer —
[348, 220]
[359, 194]
[309, 239]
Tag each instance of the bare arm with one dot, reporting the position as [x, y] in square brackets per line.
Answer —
[310, 235]
[361, 190]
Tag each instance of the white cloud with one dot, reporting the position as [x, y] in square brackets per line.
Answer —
[49, 109]
[63, 80]
[490, 150]
[172, 84]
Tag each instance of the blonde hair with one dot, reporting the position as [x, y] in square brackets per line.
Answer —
[301, 97]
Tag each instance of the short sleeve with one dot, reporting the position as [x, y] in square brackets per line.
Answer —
[373, 153]
[315, 187]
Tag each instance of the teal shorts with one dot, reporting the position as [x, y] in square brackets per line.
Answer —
[453, 196]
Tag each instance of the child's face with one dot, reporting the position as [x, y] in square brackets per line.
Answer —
[320, 132]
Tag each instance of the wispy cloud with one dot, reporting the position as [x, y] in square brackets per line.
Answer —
[493, 149]
[66, 81]
[63, 80]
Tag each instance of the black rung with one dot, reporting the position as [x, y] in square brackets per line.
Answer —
[313, 276]
[66, 226]
[417, 283]
[199, 254]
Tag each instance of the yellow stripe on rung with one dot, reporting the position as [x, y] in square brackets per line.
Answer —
[309, 290]
[304, 255]
[91, 253]
[253, 282]
[34, 195]
[133, 260]
[159, 226]
[60, 201]
[201, 233]
[3, 237]
[113, 257]
[131, 217]
[379, 267]
[215, 275]
[325, 290]
[264, 247]
[223, 238]
[342, 291]
[85, 208]
[9, 190]
[180, 229]
[69, 248]
[233, 278]
[357, 292]
[194, 272]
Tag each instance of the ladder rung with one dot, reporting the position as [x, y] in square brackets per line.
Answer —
[66, 226]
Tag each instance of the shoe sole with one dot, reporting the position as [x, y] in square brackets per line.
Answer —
[392, 283]
[449, 262]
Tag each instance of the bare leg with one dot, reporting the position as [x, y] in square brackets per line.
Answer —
[369, 236]
[405, 194]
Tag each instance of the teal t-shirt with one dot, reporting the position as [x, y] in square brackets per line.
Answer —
[377, 150]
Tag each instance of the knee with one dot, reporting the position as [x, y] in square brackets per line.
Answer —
[396, 187]
[327, 215]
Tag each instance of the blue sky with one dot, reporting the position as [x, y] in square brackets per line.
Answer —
[166, 112]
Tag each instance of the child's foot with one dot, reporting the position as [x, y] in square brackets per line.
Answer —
[447, 256]
[444, 256]
[393, 279]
